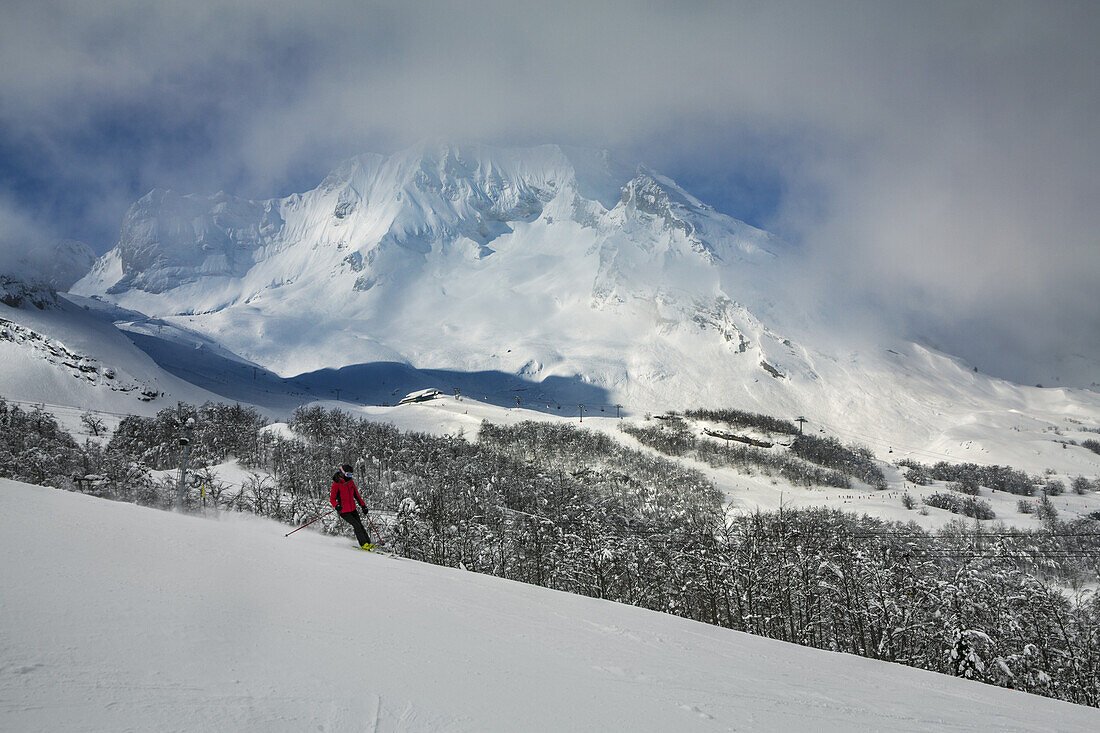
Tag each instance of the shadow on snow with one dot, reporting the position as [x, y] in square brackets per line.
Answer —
[377, 383]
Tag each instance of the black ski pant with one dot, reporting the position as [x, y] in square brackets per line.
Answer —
[361, 534]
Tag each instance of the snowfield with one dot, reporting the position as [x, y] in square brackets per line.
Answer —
[118, 617]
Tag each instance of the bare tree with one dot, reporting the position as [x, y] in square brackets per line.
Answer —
[93, 423]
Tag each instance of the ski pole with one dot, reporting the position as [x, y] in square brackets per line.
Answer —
[376, 532]
[330, 511]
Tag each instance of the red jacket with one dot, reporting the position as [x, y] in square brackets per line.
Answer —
[344, 496]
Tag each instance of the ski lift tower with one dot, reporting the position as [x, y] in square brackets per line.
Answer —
[185, 449]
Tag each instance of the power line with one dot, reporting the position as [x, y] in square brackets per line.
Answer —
[71, 408]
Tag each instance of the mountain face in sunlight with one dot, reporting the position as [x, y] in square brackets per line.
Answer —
[543, 263]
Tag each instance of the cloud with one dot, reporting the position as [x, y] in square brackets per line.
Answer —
[20, 237]
[937, 159]
[30, 250]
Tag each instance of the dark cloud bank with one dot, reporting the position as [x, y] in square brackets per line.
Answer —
[937, 160]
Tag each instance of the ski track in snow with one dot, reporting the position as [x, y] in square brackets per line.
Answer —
[118, 617]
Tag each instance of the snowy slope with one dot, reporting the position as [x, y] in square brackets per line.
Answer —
[169, 622]
[74, 356]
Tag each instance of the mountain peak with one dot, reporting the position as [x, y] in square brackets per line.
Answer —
[471, 233]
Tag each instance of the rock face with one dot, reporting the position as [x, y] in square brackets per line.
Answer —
[168, 240]
[18, 293]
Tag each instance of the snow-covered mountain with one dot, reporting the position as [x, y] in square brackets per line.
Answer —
[506, 249]
[545, 264]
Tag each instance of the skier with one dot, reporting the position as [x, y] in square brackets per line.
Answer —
[344, 497]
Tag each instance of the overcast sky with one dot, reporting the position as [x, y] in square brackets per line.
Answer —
[937, 161]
